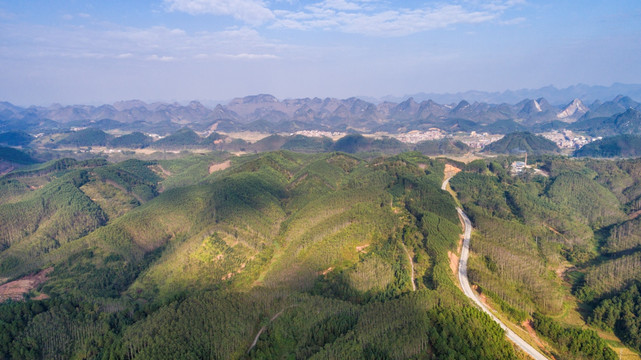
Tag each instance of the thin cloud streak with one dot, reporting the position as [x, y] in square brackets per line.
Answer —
[250, 11]
[388, 23]
[157, 43]
[371, 18]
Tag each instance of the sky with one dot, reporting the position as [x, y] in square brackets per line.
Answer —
[96, 51]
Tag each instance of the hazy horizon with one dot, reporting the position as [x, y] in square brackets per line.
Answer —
[95, 52]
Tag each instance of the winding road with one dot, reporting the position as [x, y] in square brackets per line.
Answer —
[467, 290]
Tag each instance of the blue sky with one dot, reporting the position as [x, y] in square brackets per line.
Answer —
[77, 51]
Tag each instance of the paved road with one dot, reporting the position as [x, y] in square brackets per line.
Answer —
[467, 290]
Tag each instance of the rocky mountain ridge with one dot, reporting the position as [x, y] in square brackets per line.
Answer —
[268, 114]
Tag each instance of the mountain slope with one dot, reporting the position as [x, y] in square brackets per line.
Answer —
[615, 146]
[520, 142]
[280, 253]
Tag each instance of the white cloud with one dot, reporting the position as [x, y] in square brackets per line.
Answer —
[239, 56]
[369, 17]
[339, 5]
[513, 21]
[382, 23]
[501, 5]
[250, 56]
[156, 43]
[250, 11]
[155, 57]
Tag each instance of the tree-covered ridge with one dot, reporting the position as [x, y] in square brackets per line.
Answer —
[59, 202]
[134, 140]
[441, 147]
[317, 250]
[12, 155]
[182, 138]
[308, 254]
[15, 138]
[615, 146]
[621, 314]
[520, 142]
[572, 341]
[86, 137]
[530, 227]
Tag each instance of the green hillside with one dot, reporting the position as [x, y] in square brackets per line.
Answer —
[15, 138]
[183, 138]
[356, 143]
[519, 142]
[615, 146]
[300, 143]
[86, 137]
[280, 253]
[135, 140]
[313, 249]
[441, 147]
[15, 156]
[77, 199]
[530, 228]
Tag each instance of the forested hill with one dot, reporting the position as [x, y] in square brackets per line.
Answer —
[615, 146]
[520, 142]
[318, 255]
[12, 155]
[549, 240]
[267, 256]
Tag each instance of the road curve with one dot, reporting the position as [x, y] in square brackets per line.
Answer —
[467, 290]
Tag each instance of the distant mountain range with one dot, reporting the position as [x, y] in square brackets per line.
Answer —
[587, 93]
[265, 113]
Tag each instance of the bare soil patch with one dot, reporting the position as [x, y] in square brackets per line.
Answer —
[451, 170]
[219, 166]
[527, 325]
[165, 172]
[15, 290]
[562, 269]
[327, 271]
[635, 214]
[454, 259]
[362, 248]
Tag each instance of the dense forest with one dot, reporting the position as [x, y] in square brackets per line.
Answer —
[278, 254]
[288, 254]
[568, 231]
[521, 142]
[614, 146]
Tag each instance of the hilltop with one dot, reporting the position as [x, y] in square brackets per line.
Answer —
[522, 142]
